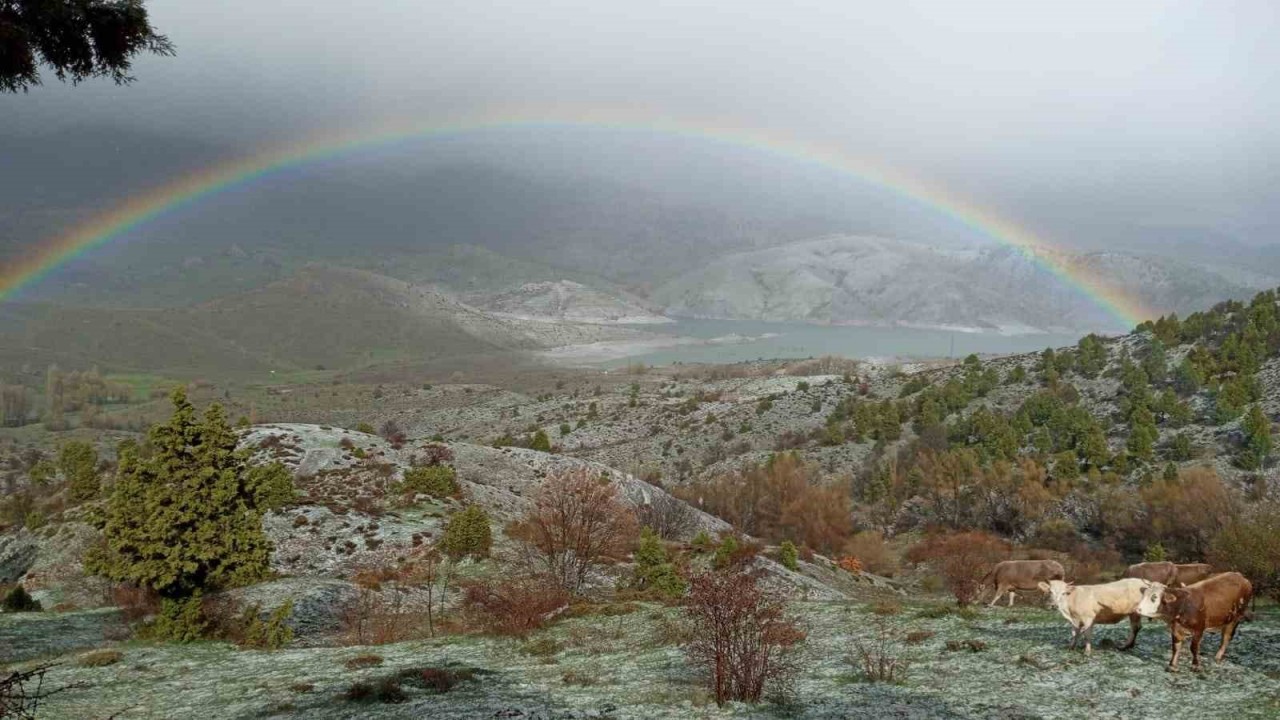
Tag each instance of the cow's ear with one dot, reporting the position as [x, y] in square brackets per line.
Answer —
[1044, 586]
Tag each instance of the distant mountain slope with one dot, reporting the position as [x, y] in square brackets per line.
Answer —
[869, 280]
[569, 301]
[319, 317]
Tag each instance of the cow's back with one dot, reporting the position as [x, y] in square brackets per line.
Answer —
[1217, 601]
[1163, 572]
[1192, 573]
[1027, 573]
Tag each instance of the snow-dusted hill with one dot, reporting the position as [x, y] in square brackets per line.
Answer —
[568, 301]
[870, 280]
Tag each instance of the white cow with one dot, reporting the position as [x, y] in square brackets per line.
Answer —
[1087, 605]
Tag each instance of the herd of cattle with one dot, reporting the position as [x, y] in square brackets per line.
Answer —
[1191, 598]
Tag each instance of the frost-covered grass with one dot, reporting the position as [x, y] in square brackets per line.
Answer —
[623, 666]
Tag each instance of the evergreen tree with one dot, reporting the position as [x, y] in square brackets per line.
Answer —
[540, 442]
[1187, 379]
[187, 516]
[654, 570]
[1257, 439]
[467, 534]
[788, 555]
[78, 463]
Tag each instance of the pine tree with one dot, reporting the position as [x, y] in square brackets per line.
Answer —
[187, 516]
[467, 534]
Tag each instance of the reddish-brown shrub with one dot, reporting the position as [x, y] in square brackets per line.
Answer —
[961, 559]
[437, 454]
[874, 553]
[782, 499]
[576, 523]
[741, 637]
[514, 606]
[851, 564]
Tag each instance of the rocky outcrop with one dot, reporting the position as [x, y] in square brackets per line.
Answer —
[17, 554]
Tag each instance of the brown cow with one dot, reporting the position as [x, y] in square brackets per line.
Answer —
[1170, 574]
[1218, 603]
[1192, 573]
[1013, 575]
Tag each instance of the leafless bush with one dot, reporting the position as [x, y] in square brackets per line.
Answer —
[741, 637]
[576, 522]
[879, 656]
[22, 692]
[961, 559]
[515, 606]
[671, 518]
[826, 365]
[873, 552]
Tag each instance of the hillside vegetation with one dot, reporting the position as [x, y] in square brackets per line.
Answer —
[574, 543]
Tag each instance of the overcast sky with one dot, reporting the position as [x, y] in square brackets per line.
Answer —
[1142, 113]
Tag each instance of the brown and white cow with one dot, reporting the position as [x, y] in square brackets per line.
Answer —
[1013, 575]
[1087, 605]
[1218, 603]
[1169, 574]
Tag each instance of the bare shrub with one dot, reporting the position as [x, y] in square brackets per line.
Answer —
[879, 656]
[396, 599]
[781, 499]
[825, 365]
[23, 691]
[514, 606]
[575, 524]
[872, 552]
[667, 516]
[741, 637]
[392, 433]
[961, 559]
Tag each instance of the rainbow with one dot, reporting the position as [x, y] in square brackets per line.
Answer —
[172, 197]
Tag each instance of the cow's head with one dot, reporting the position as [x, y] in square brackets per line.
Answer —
[1154, 597]
[1057, 591]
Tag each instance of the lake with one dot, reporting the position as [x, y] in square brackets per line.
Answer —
[798, 340]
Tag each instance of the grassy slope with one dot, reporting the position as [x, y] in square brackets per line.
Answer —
[1025, 672]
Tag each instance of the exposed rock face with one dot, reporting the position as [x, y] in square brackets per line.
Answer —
[318, 604]
[17, 554]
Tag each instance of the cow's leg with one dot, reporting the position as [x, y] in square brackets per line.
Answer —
[1087, 631]
[1196, 637]
[996, 597]
[1075, 633]
[1228, 632]
[1135, 624]
[1011, 594]
[1176, 641]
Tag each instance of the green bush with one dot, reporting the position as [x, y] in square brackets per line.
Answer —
[788, 555]
[179, 621]
[437, 481]
[365, 428]
[540, 442]
[273, 634]
[17, 600]
[467, 534]
[725, 552]
[654, 570]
